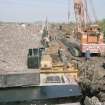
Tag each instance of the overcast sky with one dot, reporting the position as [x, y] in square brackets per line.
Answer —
[36, 10]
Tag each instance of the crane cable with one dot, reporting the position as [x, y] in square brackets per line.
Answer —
[69, 11]
[76, 20]
[93, 10]
[87, 14]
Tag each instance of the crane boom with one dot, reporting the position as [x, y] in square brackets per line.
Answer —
[81, 14]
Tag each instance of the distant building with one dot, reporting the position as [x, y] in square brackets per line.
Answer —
[23, 25]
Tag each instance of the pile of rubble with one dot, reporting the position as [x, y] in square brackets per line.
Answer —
[92, 83]
[92, 101]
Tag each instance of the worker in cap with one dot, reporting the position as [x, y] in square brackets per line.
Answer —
[87, 54]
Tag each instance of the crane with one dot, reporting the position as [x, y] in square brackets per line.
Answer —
[89, 34]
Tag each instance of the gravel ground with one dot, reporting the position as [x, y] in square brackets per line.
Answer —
[15, 40]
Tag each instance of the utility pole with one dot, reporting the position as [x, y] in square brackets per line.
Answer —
[94, 74]
[46, 23]
[68, 11]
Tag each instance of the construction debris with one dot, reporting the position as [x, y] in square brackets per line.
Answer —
[92, 101]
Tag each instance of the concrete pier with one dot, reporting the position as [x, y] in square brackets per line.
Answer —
[15, 79]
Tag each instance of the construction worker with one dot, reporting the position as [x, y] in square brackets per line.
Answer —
[47, 41]
[60, 51]
[87, 54]
[50, 38]
[60, 27]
